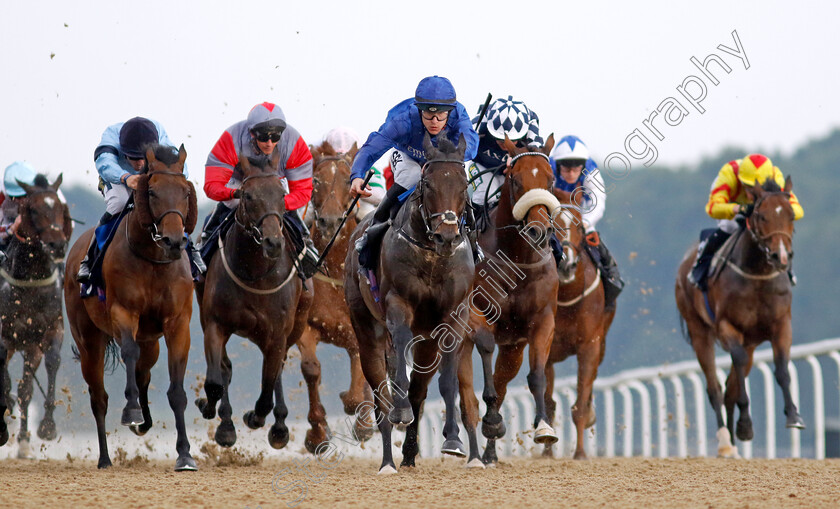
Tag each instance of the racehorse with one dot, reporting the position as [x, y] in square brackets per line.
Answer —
[148, 293]
[749, 301]
[519, 258]
[329, 317]
[581, 322]
[425, 273]
[30, 303]
[252, 290]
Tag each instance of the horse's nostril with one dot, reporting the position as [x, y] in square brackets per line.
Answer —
[438, 238]
[322, 224]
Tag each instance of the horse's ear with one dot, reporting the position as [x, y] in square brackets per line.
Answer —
[54, 185]
[461, 149]
[788, 185]
[509, 146]
[244, 165]
[327, 149]
[182, 156]
[192, 211]
[68, 221]
[754, 191]
[351, 154]
[428, 148]
[141, 201]
[26, 187]
[150, 157]
[549, 144]
[275, 158]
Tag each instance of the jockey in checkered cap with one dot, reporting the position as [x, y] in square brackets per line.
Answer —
[576, 172]
[730, 204]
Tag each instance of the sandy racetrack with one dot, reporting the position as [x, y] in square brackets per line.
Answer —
[618, 482]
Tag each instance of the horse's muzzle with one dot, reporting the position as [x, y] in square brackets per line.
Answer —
[272, 247]
[173, 245]
[446, 242]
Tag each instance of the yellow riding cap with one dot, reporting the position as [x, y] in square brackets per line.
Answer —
[728, 190]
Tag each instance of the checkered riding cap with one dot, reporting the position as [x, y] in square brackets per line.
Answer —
[508, 117]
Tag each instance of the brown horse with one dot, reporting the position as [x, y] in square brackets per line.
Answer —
[518, 301]
[425, 273]
[252, 290]
[148, 294]
[329, 317]
[30, 303]
[749, 298]
[581, 322]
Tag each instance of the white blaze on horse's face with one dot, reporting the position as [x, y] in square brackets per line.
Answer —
[779, 209]
[535, 171]
[783, 255]
[50, 201]
[332, 169]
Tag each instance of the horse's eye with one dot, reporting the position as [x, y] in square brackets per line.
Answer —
[152, 194]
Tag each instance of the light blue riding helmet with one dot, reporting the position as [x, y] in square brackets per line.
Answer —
[18, 170]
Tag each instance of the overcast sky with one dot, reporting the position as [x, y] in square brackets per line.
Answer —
[595, 69]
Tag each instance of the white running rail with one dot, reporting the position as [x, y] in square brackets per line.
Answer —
[664, 411]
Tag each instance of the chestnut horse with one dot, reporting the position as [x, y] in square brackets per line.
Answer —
[148, 294]
[30, 303]
[581, 322]
[425, 273]
[749, 298]
[329, 317]
[518, 283]
[252, 289]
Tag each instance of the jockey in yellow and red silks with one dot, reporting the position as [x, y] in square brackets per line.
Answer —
[728, 198]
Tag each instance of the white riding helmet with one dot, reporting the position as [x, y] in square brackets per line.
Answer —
[570, 147]
[510, 117]
[341, 139]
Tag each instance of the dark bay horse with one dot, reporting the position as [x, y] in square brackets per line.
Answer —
[581, 322]
[252, 290]
[425, 272]
[30, 303]
[749, 298]
[148, 294]
[329, 317]
[518, 299]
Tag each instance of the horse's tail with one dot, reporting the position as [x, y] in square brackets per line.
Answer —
[112, 356]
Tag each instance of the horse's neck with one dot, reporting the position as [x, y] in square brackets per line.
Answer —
[335, 258]
[410, 219]
[28, 260]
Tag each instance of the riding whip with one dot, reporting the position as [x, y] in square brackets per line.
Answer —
[484, 109]
[343, 220]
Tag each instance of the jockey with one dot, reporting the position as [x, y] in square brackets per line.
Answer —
[576, 173]
[729, 203]
[10, 194]
[120, 158]
[258, 135]
[433, 110]
[342, 140]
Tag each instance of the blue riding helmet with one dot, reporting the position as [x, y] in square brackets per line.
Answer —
[435, 93]
[21, 171]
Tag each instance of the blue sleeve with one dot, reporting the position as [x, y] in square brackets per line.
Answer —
[465, 127]
[107, 158]
[387, 137]
[163, 139]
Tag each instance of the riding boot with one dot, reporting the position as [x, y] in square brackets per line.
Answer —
[305, 251]
[613, 284]
[705, 252]
[472, 234]
[556, 250]
[212, 222]
[791, 275]
[197, 266]
[368, 244]
[86, 265]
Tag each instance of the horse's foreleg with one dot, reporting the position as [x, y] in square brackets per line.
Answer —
[358, 391]
[273, 354]
[93, 371]
[31, 361]
[550, 404]
[417, 391]
[375, 370]
[704, 347]
[4, 386]
[226, 431]
[278, 435]
[52, 361]
[311, 369]
[177, 337]
[492, 425]
[507, 366]
[149, 353]
[583, 412]
[127, 322]
[448, 386]
[469, 403]
[399, 319]
[781, 359]
[214, 386]
[737, 385]
[541, 337]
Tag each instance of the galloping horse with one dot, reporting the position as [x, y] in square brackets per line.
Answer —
[329, 317]
[30, 303]
[749, 302]
[523, 314]
[581, 322]
[425, 273]
[252, 290]
[148, 294]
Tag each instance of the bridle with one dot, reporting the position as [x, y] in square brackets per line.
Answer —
[254, 229]
[520, 224]
[335, 178]
[761, 239]
[153, 228]
[448, 217]
[39, 231]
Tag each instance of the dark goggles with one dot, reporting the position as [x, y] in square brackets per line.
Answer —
[263, 137]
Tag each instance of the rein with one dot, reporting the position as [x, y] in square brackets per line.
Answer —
[585, 293]
[30, 283]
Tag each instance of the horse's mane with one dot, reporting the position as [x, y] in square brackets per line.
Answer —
[41, 181]
[167, 154]
[260, 160]
[771, 185]
[445, 148]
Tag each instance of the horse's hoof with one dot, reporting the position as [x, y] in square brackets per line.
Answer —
[408, 462]
[545, 434]
[252, 420]
[137, 430]
[185, 464]
[475, 463]
[489, 458]
[312, 441]
[493, 430]
[744, 430]
[131, 417]
[402, 415]
[350, 405]
[454, 447]
[104, 462]
[207, 411]
[387, 470]
[46, 431]
[725, 447]
[278, 436]
[580, 455]
[795, 422]
[226, 434]
[24, 451]
[363, 433]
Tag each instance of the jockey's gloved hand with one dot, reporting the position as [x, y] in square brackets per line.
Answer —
[741, 219]
[747, 210]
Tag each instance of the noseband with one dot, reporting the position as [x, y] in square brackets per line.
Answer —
[520, 224]
[153, 228]
[447, 216]
[254, 228]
